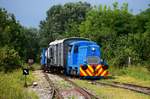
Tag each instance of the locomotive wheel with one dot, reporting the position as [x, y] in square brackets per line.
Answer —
[52, 69]
[66, 71]
[74, 72]
[44, 70]
[70, 72]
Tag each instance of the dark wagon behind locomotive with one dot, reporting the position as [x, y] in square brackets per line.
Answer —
[74, 56]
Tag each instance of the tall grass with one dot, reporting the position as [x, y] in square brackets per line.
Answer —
[132, 74]
[137, 72]
[12, 86]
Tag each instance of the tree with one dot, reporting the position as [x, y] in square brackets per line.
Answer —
[62, 21]
[31, 43]
[10, 31]
[118, 32]
[15, 36]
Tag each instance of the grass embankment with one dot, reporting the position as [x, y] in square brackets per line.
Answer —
[134, 74]
[12, 86]
[106, 92]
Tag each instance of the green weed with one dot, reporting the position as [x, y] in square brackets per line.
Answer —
[12, 86]
[134, 74]
[106, 92]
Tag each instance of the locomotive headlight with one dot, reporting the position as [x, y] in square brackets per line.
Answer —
[93, 49]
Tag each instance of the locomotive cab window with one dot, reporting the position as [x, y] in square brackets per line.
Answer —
[76, 49]
[70, 48]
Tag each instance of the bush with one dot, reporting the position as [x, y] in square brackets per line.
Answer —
[147, 65]
[9, 59]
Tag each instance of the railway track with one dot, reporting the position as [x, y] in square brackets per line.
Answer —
[86, 94]
[132, 87]
[55, 92]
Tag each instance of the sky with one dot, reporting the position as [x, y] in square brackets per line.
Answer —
[30, 12]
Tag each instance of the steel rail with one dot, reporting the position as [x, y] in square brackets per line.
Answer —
[132, 87]
[55, 92]
[84, 92]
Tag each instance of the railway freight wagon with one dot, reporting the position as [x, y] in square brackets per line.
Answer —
[74, 56]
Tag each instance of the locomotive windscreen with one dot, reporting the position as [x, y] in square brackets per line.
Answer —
[93, 60]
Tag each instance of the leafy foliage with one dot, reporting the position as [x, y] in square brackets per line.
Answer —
[9, 59]
[31, 43]
[121, 33]
[12, 34]
[62, 21]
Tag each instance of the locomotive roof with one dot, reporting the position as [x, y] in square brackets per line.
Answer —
[65, 39]
[79, 42]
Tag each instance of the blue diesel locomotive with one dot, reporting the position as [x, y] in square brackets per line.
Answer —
[74, 56]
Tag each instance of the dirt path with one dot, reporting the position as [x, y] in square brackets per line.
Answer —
[42, 88]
